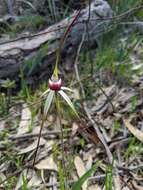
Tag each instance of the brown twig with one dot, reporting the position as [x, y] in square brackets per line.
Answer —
[47, 133]
[39, 137]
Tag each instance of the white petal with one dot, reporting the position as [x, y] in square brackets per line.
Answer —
[66, 88]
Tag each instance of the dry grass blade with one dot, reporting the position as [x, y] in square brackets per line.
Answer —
[47, 164]
[136, 132]
[25, 120]
[32, 146]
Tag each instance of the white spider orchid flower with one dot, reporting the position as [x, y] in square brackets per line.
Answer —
[55, 86]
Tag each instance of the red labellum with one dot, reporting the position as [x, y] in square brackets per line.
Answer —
[55, 84]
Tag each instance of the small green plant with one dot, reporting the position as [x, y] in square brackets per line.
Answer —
[117, 125]
[109, 177]
[36, 60]
[133, 103]
[11, 183]
[113, 57]
[27, 22]
[25, 183]
[53, 12]
[25, 90]
[120, 6]
[3, 103]
[8, 85]
[33, 114]
[61, 176]
[134, 148]
[18, 161]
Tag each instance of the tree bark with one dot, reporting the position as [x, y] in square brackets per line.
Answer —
[14, 53]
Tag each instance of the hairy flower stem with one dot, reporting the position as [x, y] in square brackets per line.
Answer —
[39, 137]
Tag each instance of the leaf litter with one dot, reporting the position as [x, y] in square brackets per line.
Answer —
[111, 124]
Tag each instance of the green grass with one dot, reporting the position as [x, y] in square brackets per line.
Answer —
[84, 177]
[135, 148]
[11, 183]
[120, 6]
[112, 57]
[26, 23]
[109, 178]
[35, 62]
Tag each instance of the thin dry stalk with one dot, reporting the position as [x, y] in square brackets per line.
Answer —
[99, 134]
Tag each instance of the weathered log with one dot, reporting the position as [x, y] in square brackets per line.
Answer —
[14, 53]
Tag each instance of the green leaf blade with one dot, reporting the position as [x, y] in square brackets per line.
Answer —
[84, 177]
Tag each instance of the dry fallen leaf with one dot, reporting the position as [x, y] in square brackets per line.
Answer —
[53, 180]
[136, 186]
[35, 180]
[32, 146]
[136, 132]
[47, 164]
[89, 161]
[125, 188]
[81, 170]
[2, 125]
[2, 177]
[25, 120]
[101, 103]
[75, 95]
[74, 128]
[31, 177]
[94, 187]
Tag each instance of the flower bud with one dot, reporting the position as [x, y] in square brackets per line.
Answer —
[55, 84]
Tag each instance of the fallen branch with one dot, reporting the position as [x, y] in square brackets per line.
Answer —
[14, 53]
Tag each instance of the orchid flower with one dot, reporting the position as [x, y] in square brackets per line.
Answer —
[55, 86]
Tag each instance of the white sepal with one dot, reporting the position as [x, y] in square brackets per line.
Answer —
[65, 88]
[44, 93]
[48, 101]
[69, 102]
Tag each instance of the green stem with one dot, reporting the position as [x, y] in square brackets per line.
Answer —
[8, 100]
[62, 134]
